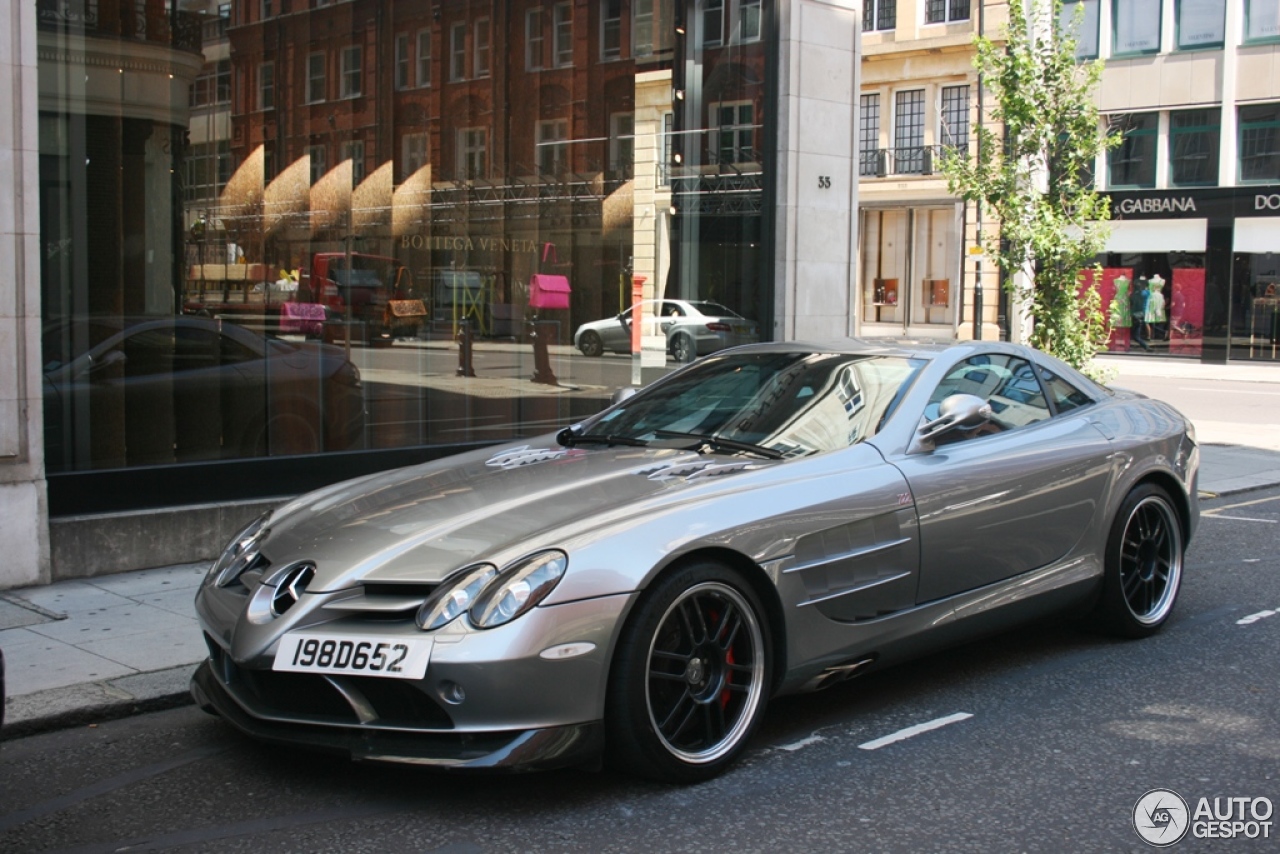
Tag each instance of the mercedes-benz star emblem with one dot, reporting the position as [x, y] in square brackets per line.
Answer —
[291, 587]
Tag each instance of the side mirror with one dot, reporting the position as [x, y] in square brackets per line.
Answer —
[956, 411]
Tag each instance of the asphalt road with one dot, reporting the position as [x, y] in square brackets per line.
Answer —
[1067, 730]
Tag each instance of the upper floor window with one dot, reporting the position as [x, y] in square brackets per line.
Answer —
[266, 86]
[213, 86]
[1201, 23]
[352, 62]
[943, 11]
[318, 157]
[1193, 147]
[622, 144]
[749, 23]
[1137, 26]
[869, 135]
[473, 153]
[1261, 20]
[953, 131]
[316, 78]
[879, 15]
[1079, 20]
[610, 29]
[642, 28]
[908, 132]
[550, 151]
[1260, 142]
[424, 57]
[712, 23]
[265, 9]
[402, 62]
[1132, 164]
[481, 48]
[534, 40]
[458, 51]
[413, 153]
[733, 134]
[668, 147]
[353, 150]
[562, 36]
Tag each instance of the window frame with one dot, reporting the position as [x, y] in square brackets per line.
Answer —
[353, 150]
[535, 38]
[711, 23]
[466, 149]
[352, 74]
[749, 11]
[1211, 132]
[1068, 10]
[562, 35]
[550, 154]
[1249, 23]
[956, 142]
[482, 49]
[266, 90]
[945, 10]
[458, 51]
[1217, 44]
[610, 30]
[1273, 126]
[641, 23]
[1115, 29]
[740, 125]
[868, 127]
[422, 59]
[317, 86]
[318, 171]
[912, 121]
[415, 147]
[879, 16]
[401, 62]
[1153, 134]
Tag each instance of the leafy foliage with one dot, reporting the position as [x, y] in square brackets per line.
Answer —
[1034, 171]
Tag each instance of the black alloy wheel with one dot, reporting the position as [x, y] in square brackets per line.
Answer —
[691, 677]
[590, 344]
[1143, 564]
[682, 348]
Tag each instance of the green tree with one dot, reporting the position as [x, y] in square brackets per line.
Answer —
[1034, 172]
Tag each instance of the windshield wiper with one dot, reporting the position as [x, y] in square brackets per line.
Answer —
[569, 438]
[706, 443]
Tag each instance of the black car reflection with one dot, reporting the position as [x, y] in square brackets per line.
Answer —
[149, 391]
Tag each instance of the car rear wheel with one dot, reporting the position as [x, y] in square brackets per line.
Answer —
[1143, 565]
[682, 348]
[690, 679]
[590, 344]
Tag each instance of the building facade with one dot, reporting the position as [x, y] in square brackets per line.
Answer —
[270, 244]
[1194, 88]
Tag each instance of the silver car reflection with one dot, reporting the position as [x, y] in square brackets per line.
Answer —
[769, 520]
[692, 328]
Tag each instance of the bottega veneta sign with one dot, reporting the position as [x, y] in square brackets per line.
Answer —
[468, 244]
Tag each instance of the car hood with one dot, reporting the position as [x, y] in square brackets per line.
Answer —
[421, 524]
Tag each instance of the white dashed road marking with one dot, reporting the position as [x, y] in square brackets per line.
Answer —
[912, 731]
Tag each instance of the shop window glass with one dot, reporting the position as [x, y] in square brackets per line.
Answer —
[335, 246]
[1079, 20]
[1136, 24]
[1201, 23]
[1260, 143]
[879, 15]
[1193, 147]
[1133, 162]
[1262, 20]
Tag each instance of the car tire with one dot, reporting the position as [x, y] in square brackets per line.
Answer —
[590, 344]
[682, 349]
[691, 676]
[1143, 565]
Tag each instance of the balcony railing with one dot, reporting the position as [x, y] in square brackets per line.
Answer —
[132, 20]
[911, 160]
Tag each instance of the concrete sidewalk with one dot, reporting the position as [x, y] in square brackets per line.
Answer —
[89, 650]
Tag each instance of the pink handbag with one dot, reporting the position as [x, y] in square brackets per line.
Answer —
[548, 290]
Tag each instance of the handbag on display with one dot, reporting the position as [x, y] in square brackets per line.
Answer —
[548, 290]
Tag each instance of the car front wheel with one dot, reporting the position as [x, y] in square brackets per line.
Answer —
[682, 349]
[690, 680]
[1143, 564]
[590, 344]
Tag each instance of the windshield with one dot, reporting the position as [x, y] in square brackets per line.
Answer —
[793, 403]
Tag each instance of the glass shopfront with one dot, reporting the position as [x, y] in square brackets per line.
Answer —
[1193, 273]
[288, 241]
[911, 269]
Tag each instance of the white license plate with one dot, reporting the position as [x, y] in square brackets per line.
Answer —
[356, 655]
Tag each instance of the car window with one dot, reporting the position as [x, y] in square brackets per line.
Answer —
[713, 309]
[672, 309]
[795, 403]
[1064, 395]
[1008, 383]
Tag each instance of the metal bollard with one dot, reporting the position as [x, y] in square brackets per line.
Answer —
[540, 333]
[465, 366]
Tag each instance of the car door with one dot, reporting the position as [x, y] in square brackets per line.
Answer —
[616, 334]
[1010, 496]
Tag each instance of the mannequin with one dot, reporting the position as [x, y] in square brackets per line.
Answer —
[1157, 315]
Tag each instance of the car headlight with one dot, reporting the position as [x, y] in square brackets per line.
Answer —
[519, 587]
[239, 553]
[455, 596]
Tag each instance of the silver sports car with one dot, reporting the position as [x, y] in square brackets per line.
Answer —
[771, 519]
